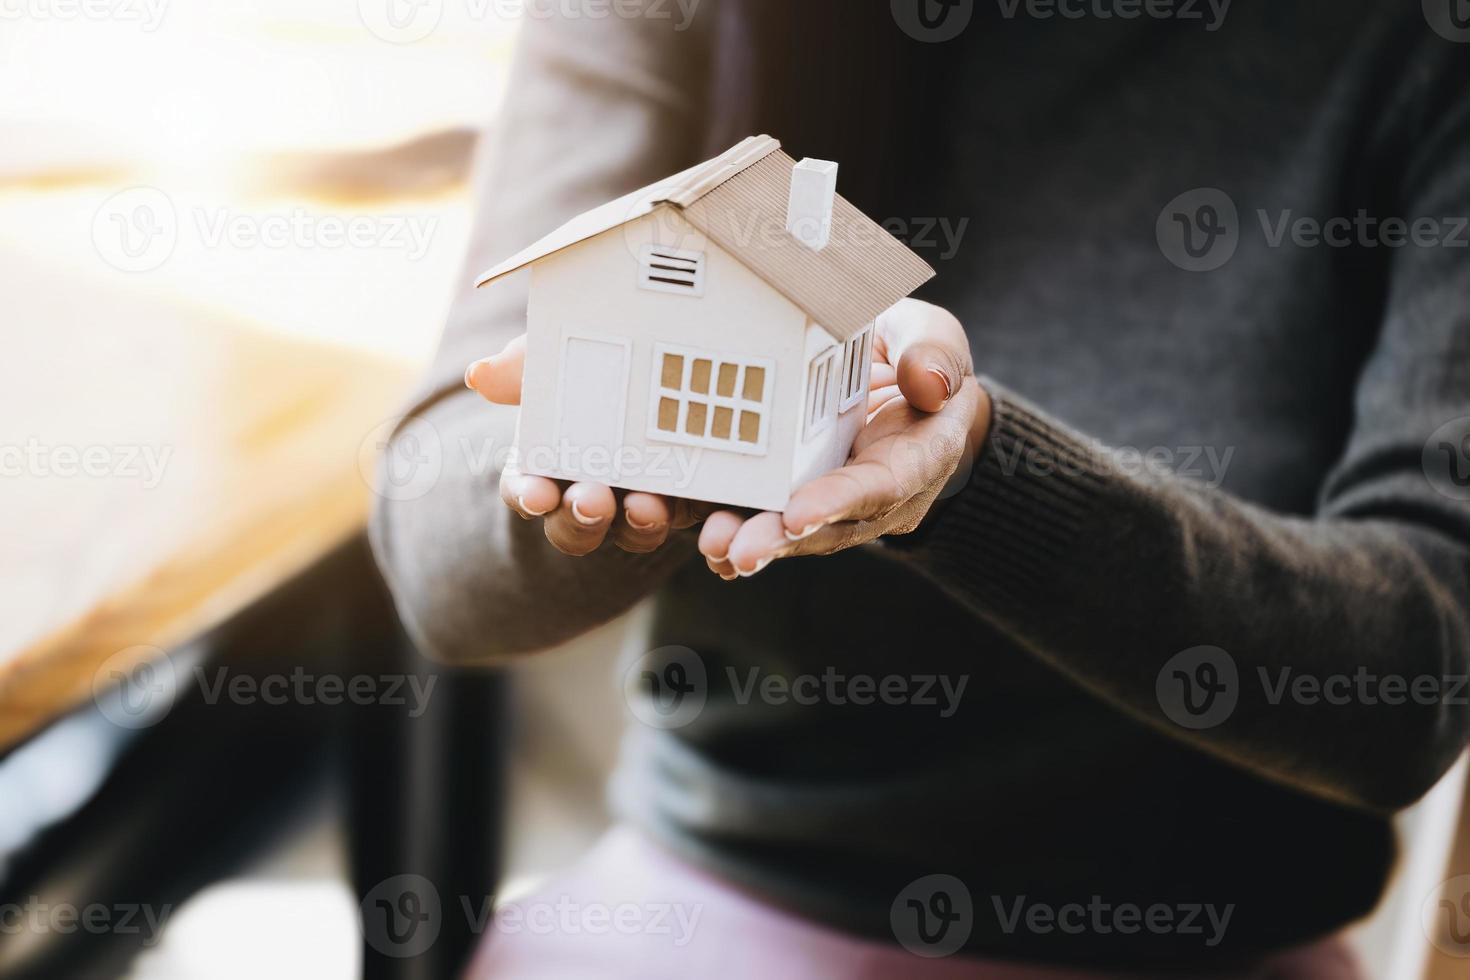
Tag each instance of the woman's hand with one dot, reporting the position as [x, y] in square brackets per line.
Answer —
[927, 416]
[579, 517]
[927, 419]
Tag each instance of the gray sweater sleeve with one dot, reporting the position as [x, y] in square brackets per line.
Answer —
[594, 109]
[1115, 575]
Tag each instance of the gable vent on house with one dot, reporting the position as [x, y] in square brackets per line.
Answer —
[671, 270]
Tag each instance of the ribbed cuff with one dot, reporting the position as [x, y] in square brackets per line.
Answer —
[1006, 537]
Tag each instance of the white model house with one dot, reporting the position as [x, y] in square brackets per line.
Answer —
[709, 336]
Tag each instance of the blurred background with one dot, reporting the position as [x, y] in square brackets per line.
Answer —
[249, 110]
[229, 235]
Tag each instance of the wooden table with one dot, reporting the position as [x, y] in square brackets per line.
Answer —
[160, 468]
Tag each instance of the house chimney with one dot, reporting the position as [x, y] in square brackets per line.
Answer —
[809, 212]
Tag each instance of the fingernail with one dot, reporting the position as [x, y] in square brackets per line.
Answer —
[628, 515]
[806, 532]
[582, 518]
[944, 380]
[759, 567]
[469, 375]
[730, 578]
[525, 508]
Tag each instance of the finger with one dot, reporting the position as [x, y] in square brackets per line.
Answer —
[579, 526]
[928, 375]
[883, 374]
[760, 541]
[719, 530]
[688, 513]
[830, 538]
[879, 397]
[643, 523]
[529, 496]
[856, 492]
[929, 348]
[498, 378]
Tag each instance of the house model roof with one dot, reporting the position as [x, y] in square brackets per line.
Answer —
[738, 200]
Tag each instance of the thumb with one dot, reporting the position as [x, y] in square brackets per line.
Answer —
[498, 378]
[930, 351]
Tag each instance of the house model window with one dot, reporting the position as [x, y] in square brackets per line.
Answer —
[822, 391]
[671, 270]
[712, 401]
[838, 380]
[857, 359]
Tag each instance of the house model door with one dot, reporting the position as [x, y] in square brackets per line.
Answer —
[594, 403]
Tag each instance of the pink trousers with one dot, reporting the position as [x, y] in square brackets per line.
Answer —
[631, 910]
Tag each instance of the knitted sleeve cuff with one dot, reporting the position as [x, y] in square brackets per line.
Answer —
[1009, 531]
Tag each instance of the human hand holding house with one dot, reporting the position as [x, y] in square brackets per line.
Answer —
[579, 516]
[711, 338]
[927, 417]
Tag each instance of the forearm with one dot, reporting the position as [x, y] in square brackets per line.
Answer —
[475, 583]
[1108, 573]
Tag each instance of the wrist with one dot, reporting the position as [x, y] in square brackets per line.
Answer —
[980, 421]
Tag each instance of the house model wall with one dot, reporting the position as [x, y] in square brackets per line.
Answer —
[676, 340]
